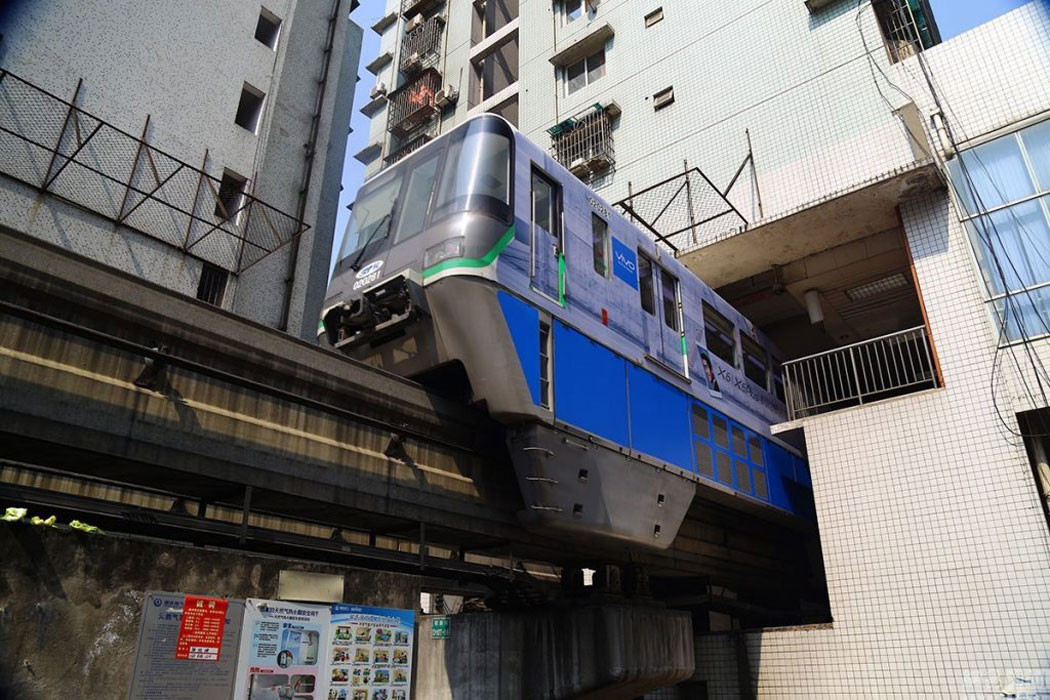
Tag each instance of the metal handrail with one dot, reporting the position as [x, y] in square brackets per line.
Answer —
[871, 370]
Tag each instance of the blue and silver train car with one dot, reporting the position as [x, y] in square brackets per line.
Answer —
[625, 382]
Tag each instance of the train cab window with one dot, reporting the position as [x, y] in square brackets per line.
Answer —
[417, 199]
[477, 172]
[600, 244]
[720, 335]
[371, 215]
[669, 294]
[645, 284]
[756, 361]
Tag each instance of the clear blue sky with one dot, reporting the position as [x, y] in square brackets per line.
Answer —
[953, 18]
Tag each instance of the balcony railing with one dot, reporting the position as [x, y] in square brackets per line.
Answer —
[585, 145]
[412, 105]
[58, 148]
[421, 47]
[406, 149]
[872, 370]
[410, 8]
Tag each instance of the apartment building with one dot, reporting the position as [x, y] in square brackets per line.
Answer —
[889, 229]
[198, 145]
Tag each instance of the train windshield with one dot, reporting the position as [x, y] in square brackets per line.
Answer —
[371, 216]
[476, 176]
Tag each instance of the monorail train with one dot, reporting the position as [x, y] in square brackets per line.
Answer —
[624, 381]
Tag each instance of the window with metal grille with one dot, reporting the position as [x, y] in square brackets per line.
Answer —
[212, 285]
[600, 244]
[584, 145]
[720, 334]
[646, 291]
[907, 26]
[756, 361]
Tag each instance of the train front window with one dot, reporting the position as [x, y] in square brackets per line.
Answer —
[370, 218]
[417, 199]
[477, 173]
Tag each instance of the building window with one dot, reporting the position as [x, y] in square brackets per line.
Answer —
[756, 362]
[600, 244]
[669, 294]
[212, 285]
[645, 284]
[249, 108]
[907, 26]
[572, 10]
[1003, 191]
[653, 17]
[664, 98]
[230, 195]
[720, 335]
[268, 28]
[585, 71]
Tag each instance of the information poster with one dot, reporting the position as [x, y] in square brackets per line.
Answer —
[159, 675]
[200, 629]
[370, 654]
[281, 651]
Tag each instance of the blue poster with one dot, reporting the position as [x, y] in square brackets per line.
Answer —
[371, 653]
[625, 263]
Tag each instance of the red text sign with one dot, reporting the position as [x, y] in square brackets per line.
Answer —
[200, 632]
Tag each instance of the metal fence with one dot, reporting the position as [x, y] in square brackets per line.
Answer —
[60, 149]
[585, 146]
[421, 47]
[891, 365]
[415, 7]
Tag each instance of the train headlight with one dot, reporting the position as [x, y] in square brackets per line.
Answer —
[445, 250]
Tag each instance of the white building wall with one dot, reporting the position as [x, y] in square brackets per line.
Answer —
[184, 65]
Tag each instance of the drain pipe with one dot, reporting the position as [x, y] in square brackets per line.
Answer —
[308, 164]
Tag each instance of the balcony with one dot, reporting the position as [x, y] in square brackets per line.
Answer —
[410, 8]
[413, 104]
[873, 370]
[59, 149]
[584, 145]
[421, 47]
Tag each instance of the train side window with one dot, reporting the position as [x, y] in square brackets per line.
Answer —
[778, 381]
[669, 294]
[417, 199]
[545, 211]
[645, 284]
[720, 334]
[600, 244]
[756, 361]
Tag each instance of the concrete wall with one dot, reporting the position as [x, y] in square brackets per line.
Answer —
[70, 603]
[184, 65]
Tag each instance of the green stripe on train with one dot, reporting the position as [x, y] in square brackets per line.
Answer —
[484, 261]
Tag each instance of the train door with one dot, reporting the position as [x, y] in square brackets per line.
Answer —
[546, 235]
[662, 320]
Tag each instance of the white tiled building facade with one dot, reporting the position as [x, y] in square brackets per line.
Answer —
[935, 543]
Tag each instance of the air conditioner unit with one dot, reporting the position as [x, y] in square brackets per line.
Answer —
[413, 61]
[414, 24]
[379, 90]
[446, 96]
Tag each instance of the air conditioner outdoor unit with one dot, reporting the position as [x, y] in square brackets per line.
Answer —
[414, 24]
[379, 90]
[446, 96]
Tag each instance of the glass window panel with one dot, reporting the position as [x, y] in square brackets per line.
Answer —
[719, 334]
[1028, 315]
[725, 471]
[1013, 247]
[1037, 143]
[595, 66]
[997, 175]
[721, 431]
[576, 75]
[739, 444]
[757, 457]
[600, 244]
[371, 215]
[704, 463]
[573, 9]
[542, 202]
[645, 284]
[755, 361]
[669, 294]
[759, 478]
[700, 423]
[743, 476]
[476, 176]
[417, 198]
